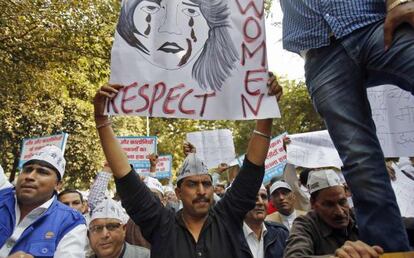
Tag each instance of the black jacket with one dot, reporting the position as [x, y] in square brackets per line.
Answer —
[166, 231]
[274, 241]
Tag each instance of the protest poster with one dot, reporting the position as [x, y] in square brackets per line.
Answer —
[138, 148]
[162, 170]
[213, 146]
[31, 145]
[393, 114]
[197, 59]
[313, 150]
[275, 160]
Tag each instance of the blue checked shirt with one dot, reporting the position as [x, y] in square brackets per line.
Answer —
[308, 24]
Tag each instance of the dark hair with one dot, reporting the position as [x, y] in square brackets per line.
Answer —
[66, 191]
[44, 164]
[304, 175]
[219, 54]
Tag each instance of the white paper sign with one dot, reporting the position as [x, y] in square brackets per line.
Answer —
[393, 113]
[162, 170]
[213, 147]
[313, 150]
[191, 59]
[275, 159]
[31, 145]
[138, 149]
[404, 189]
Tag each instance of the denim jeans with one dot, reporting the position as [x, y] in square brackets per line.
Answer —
[337, 77]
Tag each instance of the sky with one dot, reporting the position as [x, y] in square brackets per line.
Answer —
[282, 62]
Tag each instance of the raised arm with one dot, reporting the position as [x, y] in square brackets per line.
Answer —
[114, 154]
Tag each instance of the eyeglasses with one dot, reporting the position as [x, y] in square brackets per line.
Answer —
[96, 229]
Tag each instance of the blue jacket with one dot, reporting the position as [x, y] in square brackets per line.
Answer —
[274, 241]
[42, 237]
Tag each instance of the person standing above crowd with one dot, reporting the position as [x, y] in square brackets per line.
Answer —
[198, 230]
[33, 221]
[329, 228]
[349, 46]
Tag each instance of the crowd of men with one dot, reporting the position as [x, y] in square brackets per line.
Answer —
[347, 46]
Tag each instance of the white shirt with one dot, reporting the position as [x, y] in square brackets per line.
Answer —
[72, 245]
[288, 220]
[256, 245]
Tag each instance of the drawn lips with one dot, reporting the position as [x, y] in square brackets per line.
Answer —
[169, 47]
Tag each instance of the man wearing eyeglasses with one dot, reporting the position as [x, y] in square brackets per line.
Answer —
[33, 221]
[107, 233]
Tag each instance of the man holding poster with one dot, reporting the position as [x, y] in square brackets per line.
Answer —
[199, 229]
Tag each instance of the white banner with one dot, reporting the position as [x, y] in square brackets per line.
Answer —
[31, 145]
[162, 170]
[313, 150]
[195, 59]
[213, 147]
[138, 148]
[393, 113]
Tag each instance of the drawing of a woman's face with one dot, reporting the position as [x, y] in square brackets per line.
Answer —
[173, 31]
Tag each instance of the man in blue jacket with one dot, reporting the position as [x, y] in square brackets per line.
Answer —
[262, 239]
[33, 221]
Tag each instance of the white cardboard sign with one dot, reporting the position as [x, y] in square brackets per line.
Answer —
[313, 150]
[393, 114]
[214, 146]
[191, 59]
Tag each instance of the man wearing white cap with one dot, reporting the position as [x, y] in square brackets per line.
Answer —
[260, 238]
[199, 229]
[283, 199]
[329, 228]
[107, 233]
[33, 221]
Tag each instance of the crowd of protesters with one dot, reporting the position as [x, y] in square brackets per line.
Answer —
[347, 46]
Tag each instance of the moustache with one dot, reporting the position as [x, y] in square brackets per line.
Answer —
[201, 199]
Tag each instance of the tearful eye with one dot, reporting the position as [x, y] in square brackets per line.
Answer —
[190, 12]
[150, 9]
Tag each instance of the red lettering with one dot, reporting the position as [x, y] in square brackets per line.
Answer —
[205, 97]
[145, 97]
[170, 98]
[246, 50]
[155, 98]
[247, 37]
[180, 104]
[251, 4]
[126, 99]
[248, 80]
[110, 103]
[245, 101]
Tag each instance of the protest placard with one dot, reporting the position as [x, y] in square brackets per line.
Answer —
[214, 146]
[138, 148]
[31, 145]
[162, 170]
[313, 150]
[275, 160]
[393, 114]
[204, 60]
